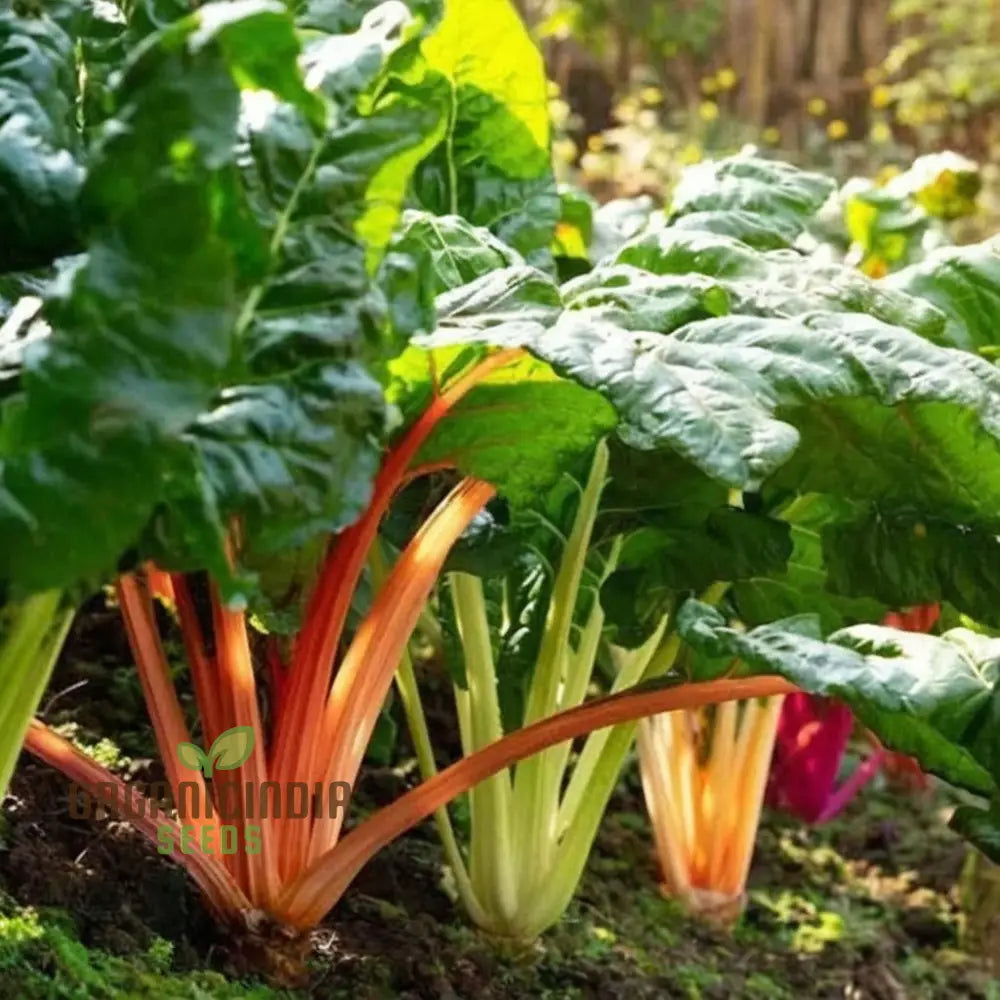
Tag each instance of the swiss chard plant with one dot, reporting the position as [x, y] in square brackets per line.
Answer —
[227, 353]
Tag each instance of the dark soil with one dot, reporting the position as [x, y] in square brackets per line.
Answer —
[866, 908]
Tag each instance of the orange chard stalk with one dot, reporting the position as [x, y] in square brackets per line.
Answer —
[366, 674]
[315, 650]
[239, 686]
[704, 774]
[161, 697]
[204, 673]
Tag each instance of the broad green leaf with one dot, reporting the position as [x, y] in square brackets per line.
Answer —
[658, 564]
[458, 251]
[777, 283]
[964, 284]
[231, 749]
[102, 410]
[513, 296]
[638, 300]
[293, 441]
[762, 232]
[682, 251]
[40, 175]
[296, 456]
[493, 166]
[778, 192]
[519, 429]
[979, 826]
[432, 254]
[922, 695]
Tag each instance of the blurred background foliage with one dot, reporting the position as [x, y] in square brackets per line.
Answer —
[857, 88]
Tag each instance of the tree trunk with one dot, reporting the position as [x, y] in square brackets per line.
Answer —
[758, 83]
[981, 908]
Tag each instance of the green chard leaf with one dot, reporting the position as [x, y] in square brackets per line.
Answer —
[102, 413]
[964, 284]
[208, 357]
[40, 173]
[493, 167]
[294, 444]
[782, 194]
[804, 584]
[747, 282]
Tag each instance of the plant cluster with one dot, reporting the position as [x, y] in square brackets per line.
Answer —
[293, 339]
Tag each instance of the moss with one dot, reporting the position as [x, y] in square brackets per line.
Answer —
[41, 959]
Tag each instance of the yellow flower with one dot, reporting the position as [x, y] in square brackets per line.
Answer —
[564, 150]
[886, 174]
[914, 115]
[651, 96]
[881, 96]
[881, 132]
[595, 143]
[837, 129]
[689, 155]
[771, 135]
[726, 78]
[708, 111]
[626, 110]
[873, 75]
[709, 85]
[816, 107]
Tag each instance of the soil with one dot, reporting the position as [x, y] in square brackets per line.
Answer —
[865, 908]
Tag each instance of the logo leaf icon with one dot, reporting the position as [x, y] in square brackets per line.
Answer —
[231, 749]
[190, 755]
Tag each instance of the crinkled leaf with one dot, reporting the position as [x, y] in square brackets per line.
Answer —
[293, 443]
[774, 190]
[762, 232]
[101, 407]
[40, 175]
[777, 283]
[964, 284]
